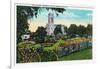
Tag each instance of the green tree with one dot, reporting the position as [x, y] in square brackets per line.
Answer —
[40, 34]
[57, 30]
[81, 30]
[66, 29]
[23, 13]
[89, 29]
[72, 30]
[32, 35]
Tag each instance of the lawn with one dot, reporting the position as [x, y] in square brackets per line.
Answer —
[81, 55]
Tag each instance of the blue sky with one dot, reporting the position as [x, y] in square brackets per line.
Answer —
[76, 14]
[70, 16]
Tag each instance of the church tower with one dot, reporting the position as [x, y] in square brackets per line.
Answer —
[50, 25]
[50, 18]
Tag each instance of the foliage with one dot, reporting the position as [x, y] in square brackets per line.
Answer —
[75, 41]
[81, 30]
[50, 39]
[89, 29]
[25, 53]
[65, 37]
[28, 52]
[57, 30]
[40, 35]
[26, 12]
[66, 29]
[48, 56]
[72, 30]
[23, 13]
[55, 46]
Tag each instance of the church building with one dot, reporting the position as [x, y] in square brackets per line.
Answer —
[50, 26]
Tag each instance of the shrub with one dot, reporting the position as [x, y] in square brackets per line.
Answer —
[26, 53]
[48, 56]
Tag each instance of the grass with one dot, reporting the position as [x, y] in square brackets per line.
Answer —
[81, 55]
[54, 46]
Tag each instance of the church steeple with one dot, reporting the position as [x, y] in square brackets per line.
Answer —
[50, 25]
[50, 17]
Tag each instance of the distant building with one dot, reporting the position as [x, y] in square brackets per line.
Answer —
[50, 27]
[25, 36]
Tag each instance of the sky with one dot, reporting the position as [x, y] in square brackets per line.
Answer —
[78, 16]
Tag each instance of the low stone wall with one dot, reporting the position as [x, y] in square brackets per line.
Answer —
[65, 50]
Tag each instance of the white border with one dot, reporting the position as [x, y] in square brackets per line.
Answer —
[43, 64]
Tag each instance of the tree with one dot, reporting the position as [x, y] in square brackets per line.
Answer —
[32, 35]
[23, 13]
[81, 30]
[40, 34]
[57, 30]
[66, 29]
[26, 12]
[89, 29]
[72, 30]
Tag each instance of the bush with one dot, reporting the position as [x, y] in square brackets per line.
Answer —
[26, 53]
[29, 52]
[48, 56]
